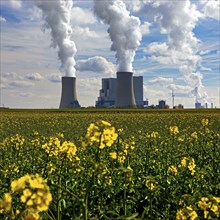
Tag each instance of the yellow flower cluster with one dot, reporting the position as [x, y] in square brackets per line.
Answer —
[69, 148]
[194, 135]
[35, 192]
[210, 206]
[16, 141]
[153, 135]
[172, 169]
[113, 155]
[5, 203]
[174, 130]
[205, 122]
[189, 163]
[151, 183]
[186, 214]
[101, 132]
[55, 148]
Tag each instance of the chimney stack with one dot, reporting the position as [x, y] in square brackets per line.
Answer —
[125, 90]
[68, 95]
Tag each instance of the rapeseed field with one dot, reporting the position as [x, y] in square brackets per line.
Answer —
[110, 164]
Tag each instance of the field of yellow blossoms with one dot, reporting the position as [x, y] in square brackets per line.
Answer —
[113, 164]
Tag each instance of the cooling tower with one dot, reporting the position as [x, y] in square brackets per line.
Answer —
[125, 90]
[68, 95]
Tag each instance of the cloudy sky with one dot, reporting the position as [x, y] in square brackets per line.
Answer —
[178, 50]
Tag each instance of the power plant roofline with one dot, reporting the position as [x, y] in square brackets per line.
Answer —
[125, 90]
[68, 95]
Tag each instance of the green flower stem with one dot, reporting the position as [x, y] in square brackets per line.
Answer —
[85, 207]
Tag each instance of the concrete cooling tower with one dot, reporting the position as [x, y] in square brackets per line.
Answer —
[125, 90]
[68, 95]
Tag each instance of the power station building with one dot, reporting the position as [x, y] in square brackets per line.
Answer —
[108, 92]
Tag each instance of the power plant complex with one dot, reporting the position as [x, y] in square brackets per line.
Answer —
[121, 92]
[125, 91]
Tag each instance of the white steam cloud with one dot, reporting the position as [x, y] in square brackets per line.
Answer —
[57, 16]
[177, 19]
[124, 30]
[96, 64]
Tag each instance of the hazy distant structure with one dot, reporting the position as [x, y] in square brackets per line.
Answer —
[211, 105]
[146, 103]
[162, 104]
[138, 90]
[198, 105]
[180, 106]
[173, 95]
[107, 94]
[68, 94]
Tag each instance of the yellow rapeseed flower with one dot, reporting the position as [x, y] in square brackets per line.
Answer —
[205, 122]
[154, 134]
[174, 130]
[191, 166]
[101, 132]
[184, 161]
[36, 194]
[113, 155]
[6, 202]
[186, 214]
[194, 135]
[172, 169]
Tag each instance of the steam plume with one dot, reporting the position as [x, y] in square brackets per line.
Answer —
[177, 20]
[56, 14]
[124, 30]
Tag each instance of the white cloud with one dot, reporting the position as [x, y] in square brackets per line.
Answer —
[145, 28]
[20, 84]
[211, 9]
[88, 90]
[15, 3]
[55, 78]
[161, 80]
[34, 76]
[96, 64]
[203, 52]
[205, 69]
[84, 32]
[9, 75]
[81, 16]
[2, 19]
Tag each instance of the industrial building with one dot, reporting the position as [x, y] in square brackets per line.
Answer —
[108, 93]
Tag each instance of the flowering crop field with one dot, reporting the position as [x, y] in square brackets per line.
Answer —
[110, 164]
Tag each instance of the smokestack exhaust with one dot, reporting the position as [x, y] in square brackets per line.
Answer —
[125, 90]
[68, 95]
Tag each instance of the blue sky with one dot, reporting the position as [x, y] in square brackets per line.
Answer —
[30, 76]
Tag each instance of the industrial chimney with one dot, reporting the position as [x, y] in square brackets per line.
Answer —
[68, 95]
[125, 90]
